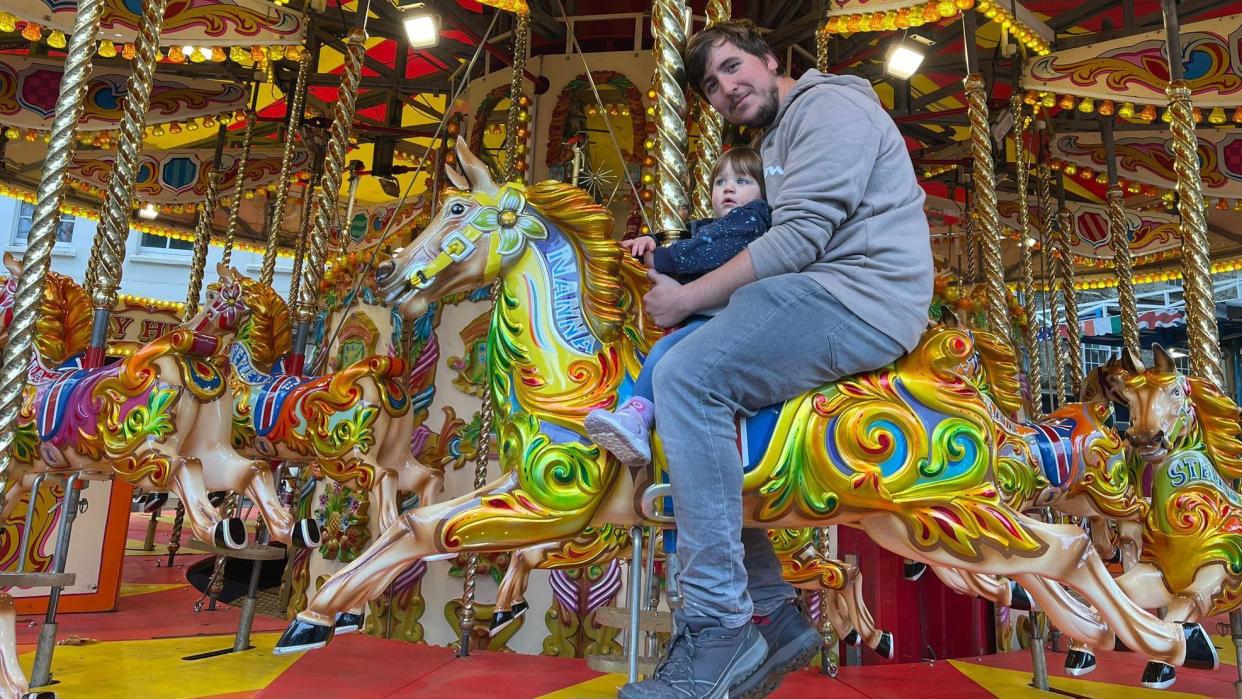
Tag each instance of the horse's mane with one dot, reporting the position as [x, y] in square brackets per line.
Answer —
[65, 324]
[589, 225]
[1218, 419]
[266, 333]
[1000, 365]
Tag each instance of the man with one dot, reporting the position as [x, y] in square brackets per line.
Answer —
[840, 284]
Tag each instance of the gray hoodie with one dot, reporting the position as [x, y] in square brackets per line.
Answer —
[846, 208]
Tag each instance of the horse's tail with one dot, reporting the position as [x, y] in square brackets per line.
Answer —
[388, 373]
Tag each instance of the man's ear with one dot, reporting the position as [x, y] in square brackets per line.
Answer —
[771, 62]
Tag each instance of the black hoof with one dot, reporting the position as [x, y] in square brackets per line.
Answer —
[302, 636]
[1116, 557]
[1019, 598]
[1079, 663]
[306, 533]
[853, 639]
[1158, 675]
[1119, 646]
[154, 502]
[504, 617]
[216, 498]
[347, 622]
[39, 695]
[231, 533]
[1200, 651]
[914, 570]
[885, 646]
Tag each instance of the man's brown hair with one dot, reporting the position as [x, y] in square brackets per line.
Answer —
[742, 33]
[743, 161]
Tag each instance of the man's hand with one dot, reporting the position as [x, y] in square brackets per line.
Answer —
[665, 303]
[640, 246]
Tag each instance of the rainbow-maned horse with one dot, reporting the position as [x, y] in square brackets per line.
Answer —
[158, 419]
[909, 453]
[1186, 431]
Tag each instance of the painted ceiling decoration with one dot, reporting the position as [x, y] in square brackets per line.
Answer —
[1145, 156]
[180, 176]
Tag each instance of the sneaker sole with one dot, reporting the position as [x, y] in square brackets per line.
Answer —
[768, 677]
[610, 437]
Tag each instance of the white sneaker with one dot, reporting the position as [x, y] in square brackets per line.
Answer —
[624, 434]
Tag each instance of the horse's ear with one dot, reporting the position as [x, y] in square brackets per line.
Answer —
[1131, 362]
[459, 180]
[476, 171]
[13, 264]
[222, 270]
[949, 318]
[1164, 363]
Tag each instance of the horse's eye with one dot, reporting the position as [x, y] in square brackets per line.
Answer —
[457, 209]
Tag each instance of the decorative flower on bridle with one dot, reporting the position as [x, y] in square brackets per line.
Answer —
[509, 218]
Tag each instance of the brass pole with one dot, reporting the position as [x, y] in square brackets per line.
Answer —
[1065, 231]
[1123, 263]
[711, 126]
[297, 102]
[668, 28]
[230, 232]
[821, 47]
[202, 232]
[108, 252]
[299, 253]
[45, 220]
[521, 41]
[1026, 262]
[1052, 291]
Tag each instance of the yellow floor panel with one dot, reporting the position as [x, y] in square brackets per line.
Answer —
[604, 687]
[1013, 684]
[154, 668]
[1224, 648]
[133, 547]
[132, 589]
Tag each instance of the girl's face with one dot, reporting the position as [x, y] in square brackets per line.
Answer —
[731, 190]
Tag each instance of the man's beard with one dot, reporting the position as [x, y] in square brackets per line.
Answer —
[767, 111]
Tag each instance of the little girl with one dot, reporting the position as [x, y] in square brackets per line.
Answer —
[741, 216]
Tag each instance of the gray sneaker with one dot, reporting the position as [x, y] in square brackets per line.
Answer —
[792, 642]
[624, 433]
[704, 661]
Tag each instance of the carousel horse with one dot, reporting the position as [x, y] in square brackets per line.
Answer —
[158, 419]
[908, 453]
[13, 682]
[353, 424]
[1185, 430]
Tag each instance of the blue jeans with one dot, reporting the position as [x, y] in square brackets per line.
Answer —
[642, 386]
[777, 338]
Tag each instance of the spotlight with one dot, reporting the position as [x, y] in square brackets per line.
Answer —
[903, 61]
[422, 26]
[148, 212]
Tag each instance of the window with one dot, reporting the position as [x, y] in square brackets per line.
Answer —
[153, 242]
[25, 216]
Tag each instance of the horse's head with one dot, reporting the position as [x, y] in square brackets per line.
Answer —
[481, 226]
[225, 309]
[1162, 413]
[1097, 385]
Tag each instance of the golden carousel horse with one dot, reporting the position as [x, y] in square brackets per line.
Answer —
[158, 419]
[916, 448]
[1185, 430]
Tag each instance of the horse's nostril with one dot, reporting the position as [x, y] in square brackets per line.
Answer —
[384, 270]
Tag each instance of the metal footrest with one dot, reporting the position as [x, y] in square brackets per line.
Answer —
[37, 579]
[620, 664]
[254, 552]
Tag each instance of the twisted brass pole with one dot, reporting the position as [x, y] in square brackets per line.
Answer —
[108, 252]
[711, 126]
[202, 239]
[44, 221]
[299, 254]
[821, 47]
[1052, 292]
[521, 40]
[230, 232]
[669, 32]
[1123, 263]
[985, 205]
[1026, 262]
[297, 103]
[1065, 229]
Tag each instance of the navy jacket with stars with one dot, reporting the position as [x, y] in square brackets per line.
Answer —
[713, 242]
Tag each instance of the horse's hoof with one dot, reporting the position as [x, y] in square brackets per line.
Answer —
[853, 639]
[1158, 675]
[306, 533]
[1200, 651]
[914, 570]
[39, 695]
[1079, 663]
[1019, 598]
[885, 646]
[230, 533]
[503, 617]
[1116, 557]
[154, 502]
[302, 636]
[347, 622]
[216, 498]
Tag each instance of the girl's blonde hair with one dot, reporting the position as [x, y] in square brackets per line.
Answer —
[742, 160]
